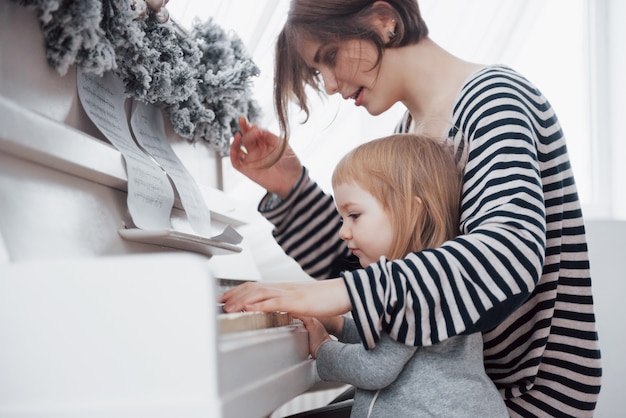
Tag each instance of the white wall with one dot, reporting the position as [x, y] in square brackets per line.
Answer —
[607, 238]
[607, 249]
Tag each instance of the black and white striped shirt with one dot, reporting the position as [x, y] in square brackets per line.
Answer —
[519, 272]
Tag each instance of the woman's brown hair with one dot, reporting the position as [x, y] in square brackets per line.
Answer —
[400, 168]
[327, 21]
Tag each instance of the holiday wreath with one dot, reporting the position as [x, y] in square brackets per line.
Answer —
[200, 78]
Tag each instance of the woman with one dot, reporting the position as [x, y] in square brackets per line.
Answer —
[519, 271]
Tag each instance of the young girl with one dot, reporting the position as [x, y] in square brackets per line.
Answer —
[398, 195]
[519, 270]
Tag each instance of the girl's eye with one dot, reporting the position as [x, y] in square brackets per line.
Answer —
[354, 216]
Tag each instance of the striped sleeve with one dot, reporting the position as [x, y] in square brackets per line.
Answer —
[306, 226]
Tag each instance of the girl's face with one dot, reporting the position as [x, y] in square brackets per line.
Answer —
[348, 68]
[366, 226]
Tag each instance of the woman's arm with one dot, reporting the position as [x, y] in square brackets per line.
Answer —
[468, 284]
[477, 280]
[306, 226]
[314, 298]
[306, 222]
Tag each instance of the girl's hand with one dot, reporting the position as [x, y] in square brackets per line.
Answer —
[315, 298]
[253, 153]
[332, 324]
[317, 334]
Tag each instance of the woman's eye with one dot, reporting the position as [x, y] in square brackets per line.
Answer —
[330, 57]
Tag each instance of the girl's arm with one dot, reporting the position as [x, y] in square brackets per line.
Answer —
[366, 369]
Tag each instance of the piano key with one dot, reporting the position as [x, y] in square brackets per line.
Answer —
[249, 321]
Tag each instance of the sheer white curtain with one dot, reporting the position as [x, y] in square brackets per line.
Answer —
[547, 40]
[560, 45]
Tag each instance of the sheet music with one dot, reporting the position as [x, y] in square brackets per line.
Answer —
[148, 165]
[150, 194]
[148, 126]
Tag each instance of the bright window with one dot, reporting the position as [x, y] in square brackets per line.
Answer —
[562, 46]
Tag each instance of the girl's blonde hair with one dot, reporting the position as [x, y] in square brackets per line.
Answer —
[400, 168]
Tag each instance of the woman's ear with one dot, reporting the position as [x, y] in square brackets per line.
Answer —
[385, 22]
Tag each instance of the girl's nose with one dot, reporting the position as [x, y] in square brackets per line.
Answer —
[344, 232]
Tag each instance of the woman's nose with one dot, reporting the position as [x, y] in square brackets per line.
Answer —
[330, 82]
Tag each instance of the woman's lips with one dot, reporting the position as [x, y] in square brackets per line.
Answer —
[358, 97]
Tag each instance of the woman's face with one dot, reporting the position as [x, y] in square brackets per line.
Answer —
[366, 226]
[348, 68]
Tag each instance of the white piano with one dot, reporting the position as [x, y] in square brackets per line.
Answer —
[93, 324]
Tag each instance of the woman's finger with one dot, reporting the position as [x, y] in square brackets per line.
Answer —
[245, 296]
[244, 126]
[237, 155]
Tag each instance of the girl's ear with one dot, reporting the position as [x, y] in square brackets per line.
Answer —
[419, 203]
[419, 211]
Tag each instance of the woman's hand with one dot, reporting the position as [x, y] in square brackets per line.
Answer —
[316, 298]
[252, 153]
[317, 334]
